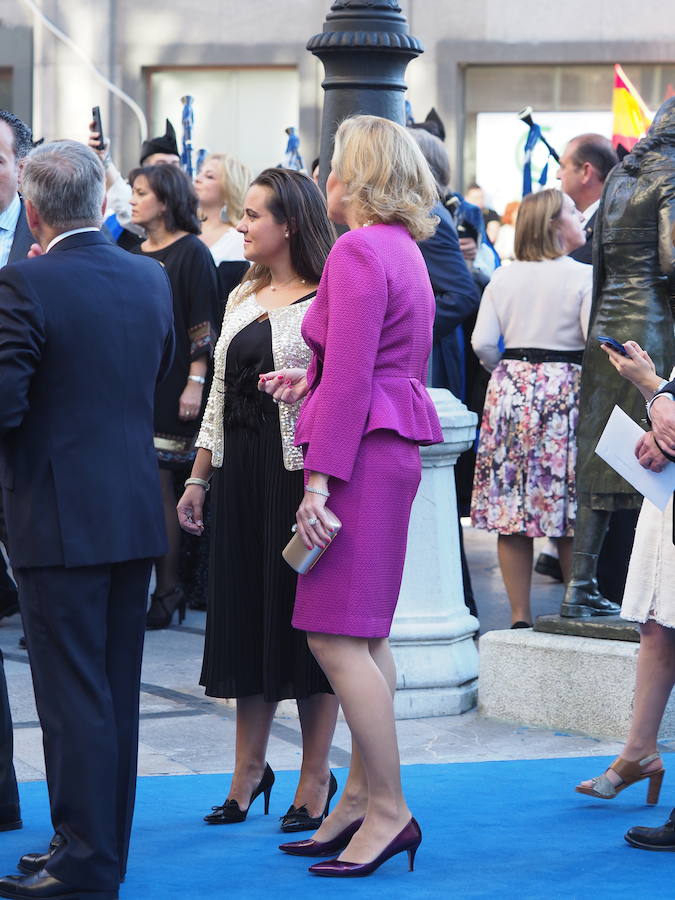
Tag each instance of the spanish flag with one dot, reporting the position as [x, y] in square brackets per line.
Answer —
[632, 118]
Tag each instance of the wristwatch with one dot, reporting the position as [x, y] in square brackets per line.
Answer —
[201, 380]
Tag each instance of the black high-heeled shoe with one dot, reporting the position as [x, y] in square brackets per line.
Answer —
[163, 606]
[230, 812]
[298, 819]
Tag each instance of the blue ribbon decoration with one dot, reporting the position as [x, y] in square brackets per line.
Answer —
[533, 138]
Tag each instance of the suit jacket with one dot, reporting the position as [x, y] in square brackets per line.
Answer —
[584, 254]
[457, 299]
[22, 239]
[85, 331]
[668, 389]
[370, 331]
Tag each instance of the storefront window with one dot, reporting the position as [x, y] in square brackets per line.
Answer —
[566, 100]
[242, 111]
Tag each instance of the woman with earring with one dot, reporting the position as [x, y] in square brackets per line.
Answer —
[221, 186]
[164, 204]
[246, 441]
[365, 413]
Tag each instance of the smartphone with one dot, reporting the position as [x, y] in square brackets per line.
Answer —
[98, 126]
[300, 558]
[611, 342]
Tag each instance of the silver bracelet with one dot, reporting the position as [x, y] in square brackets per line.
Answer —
[199, 481]
[318, 491]
[198, 378]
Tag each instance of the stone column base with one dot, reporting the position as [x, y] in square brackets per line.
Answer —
[561, 682]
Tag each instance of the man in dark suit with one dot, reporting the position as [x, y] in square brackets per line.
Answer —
[585, 164]
[16, 141]
[85, 331]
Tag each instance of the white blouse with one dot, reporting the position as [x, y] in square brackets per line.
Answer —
[544, 304]
[228, 247]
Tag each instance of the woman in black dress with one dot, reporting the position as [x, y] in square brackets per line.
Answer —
[252, 652]
[164, 203]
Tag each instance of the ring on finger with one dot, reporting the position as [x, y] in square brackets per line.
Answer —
[312, 521]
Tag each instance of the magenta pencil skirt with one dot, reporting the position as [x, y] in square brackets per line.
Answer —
[354, 587]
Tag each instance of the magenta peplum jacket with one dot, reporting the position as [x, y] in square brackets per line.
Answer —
[370, 332]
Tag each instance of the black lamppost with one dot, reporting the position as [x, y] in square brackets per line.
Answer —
[365, 48]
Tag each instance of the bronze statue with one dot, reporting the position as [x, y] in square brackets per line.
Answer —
[633, 298]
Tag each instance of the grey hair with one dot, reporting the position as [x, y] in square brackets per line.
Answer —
[436, 156]
[65, 182]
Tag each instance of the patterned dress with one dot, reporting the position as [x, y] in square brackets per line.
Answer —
[524, 476]
[524, 481]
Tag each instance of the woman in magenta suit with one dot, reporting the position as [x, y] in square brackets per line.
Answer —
[366, 412]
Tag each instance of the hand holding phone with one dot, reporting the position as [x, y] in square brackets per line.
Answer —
[611, 342]
[98, 126]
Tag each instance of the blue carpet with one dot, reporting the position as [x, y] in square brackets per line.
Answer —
[491, 830]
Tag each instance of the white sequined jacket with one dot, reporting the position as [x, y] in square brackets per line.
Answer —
[289, 352]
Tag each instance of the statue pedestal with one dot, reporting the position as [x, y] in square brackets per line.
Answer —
[432, 632]
[563, 682]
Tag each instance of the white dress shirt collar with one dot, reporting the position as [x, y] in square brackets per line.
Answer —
[10, 216]
[65, 234]
[588, 213]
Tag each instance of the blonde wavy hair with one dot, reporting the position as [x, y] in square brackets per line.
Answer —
[386, 176]
[235, 179]
[537, 234]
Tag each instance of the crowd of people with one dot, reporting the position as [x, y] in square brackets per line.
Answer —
[247, 369]
[188, 380]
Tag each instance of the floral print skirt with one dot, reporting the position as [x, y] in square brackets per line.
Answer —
[524, 476]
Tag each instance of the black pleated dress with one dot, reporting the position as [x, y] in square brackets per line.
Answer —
[250, 646]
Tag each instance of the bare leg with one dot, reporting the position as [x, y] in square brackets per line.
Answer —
[515, 561]
[354, 799]
[254, 721]
[564, 545]
[166, 567]
[318, 715]
[653, 684]
[366, 698]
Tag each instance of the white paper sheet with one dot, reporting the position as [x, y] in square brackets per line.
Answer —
[617, 447]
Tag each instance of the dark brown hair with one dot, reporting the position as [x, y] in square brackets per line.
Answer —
[172, 187]
[295, 200]
[596, 150]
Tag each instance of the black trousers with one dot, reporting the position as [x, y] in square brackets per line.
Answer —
[84, 630]
[9, 795]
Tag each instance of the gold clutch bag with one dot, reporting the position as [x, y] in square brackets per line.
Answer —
[300, 558]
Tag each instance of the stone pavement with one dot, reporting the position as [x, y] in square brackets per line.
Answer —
[183, 732]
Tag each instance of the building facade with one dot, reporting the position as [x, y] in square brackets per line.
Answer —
[246, 66]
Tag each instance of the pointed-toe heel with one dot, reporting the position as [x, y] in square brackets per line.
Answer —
[323, 848]
[298, 818]
[630, 772]
[163, 606]
[409, 840]
[411, 857]
[230, 812]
